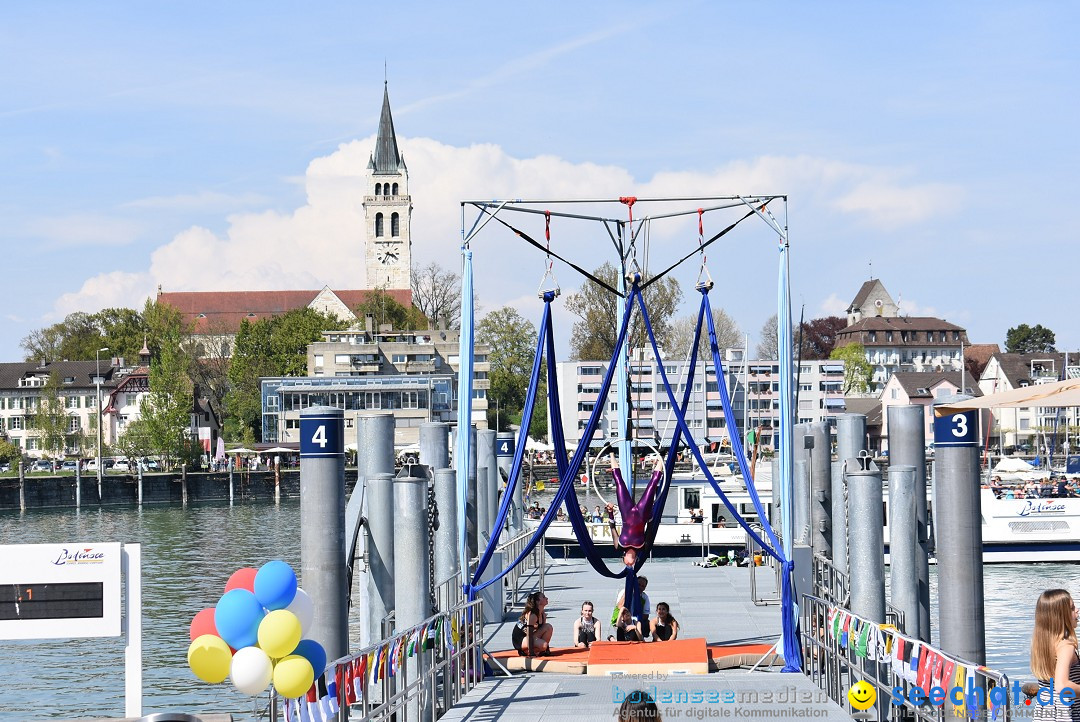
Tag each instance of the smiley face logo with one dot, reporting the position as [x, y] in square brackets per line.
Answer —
[862, 695]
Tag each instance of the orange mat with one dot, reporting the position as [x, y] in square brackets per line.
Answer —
[680, 656]
[644, 656]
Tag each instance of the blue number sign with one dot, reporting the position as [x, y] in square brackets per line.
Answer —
[322, 436]
[504, 447]
[960, 428]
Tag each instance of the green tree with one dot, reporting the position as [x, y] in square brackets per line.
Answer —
[857, 370]
[135, 442]
[274, 346]
[9, 452]
[513, 344]
[50, 419]
[594, 335]
[1029, 339]
[382, 307]
[80, 335]
[166, 410]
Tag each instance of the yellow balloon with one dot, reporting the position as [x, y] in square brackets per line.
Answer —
[293, 676]
[209, 658]
[279, 633]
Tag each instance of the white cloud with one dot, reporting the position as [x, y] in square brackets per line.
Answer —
[88, 229]
[322, 242]
[834, 306]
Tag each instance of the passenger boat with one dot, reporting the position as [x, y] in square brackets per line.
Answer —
[1013, 530]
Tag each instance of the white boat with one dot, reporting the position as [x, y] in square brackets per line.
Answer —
[1013, 530]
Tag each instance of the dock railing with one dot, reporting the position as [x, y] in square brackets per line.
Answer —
[514, 590]
[834, 587]
[836, 661]
[416, 675]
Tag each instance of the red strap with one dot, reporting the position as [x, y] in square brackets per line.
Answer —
[629, 201]
[700, 227]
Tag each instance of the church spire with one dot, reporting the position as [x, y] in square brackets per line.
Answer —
[386, 158]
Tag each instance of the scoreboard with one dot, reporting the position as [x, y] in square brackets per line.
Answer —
[50, 591]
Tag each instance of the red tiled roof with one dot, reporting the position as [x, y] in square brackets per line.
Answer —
[221, 312]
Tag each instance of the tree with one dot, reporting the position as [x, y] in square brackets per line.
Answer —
[274, 346]
[50, 418]
[80, 335]
[135, 442]
[819, 336]
[166, 411]
[382, 307]
[769, 345]
[9, 452]
[513, 345]
[1029, 339]
[857, 370]
[595, 334]
[681, 334]
[436, 293]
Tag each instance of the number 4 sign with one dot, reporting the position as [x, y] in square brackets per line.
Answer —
[322, 435]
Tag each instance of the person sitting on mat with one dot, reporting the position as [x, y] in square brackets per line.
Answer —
[627, 629]
[635, 515]
[587, 628]
[646, 608]
[664, 626]
[532, 633]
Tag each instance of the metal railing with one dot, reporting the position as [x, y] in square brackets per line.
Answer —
[834, 669]
[535, 560]
[834, 587]
[767, 562]
[415, 675]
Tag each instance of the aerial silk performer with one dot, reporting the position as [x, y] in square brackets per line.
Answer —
[635, 515]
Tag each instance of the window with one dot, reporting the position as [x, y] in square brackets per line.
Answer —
[481, 375]
[373, 399]
[32, 443]
[342, 358]
[318, 361]
[479, 393]
[393, 191]
[398, 358]
[691, 498]
[806, 387]
[663, 406]
[15, 423]
[73, 424]
[292, 423]
[895, 394]
[395, 224]
[590, 371]
[410, 399]
[378, 225]
[872, 335]
[1025, 424]
[71, 402]
[271, 402]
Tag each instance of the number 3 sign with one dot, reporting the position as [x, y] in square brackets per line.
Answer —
[956, 429]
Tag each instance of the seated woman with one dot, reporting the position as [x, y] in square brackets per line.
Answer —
[635, 515]
[597, 517]
[664, 626]
[587, 628]
[532, 633]
[627, 629]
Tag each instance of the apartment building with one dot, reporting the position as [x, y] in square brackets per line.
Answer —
[411, 373]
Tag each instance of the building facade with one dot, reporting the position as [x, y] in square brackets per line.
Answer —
[753, 388]
[411, 373]
[1025, 428]
[914, 388]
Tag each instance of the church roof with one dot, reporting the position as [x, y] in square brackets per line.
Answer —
[221, 312]
[386, 158]
[863, 294]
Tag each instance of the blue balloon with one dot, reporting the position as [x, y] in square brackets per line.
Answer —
[237, 618]
[275, 585]
[313, 652]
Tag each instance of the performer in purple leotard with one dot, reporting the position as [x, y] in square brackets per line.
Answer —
[635, 515]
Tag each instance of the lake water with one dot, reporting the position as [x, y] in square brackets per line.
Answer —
[189, 553]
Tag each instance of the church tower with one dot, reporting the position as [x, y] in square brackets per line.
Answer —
[388, 210]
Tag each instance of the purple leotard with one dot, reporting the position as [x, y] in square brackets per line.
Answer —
[635, 515]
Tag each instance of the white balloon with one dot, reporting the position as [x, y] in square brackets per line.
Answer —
[251, 670]
[304, 609]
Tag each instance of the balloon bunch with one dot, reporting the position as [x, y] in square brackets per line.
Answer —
[255, 634]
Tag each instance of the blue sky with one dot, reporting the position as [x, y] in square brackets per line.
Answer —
[204, 146]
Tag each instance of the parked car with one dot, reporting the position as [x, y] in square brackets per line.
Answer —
[150, 465]
[71, 465]
[121, 465]
[5, 468]
[41, 466]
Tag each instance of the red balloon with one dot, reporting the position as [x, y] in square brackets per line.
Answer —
[203, 623]
[243, 578]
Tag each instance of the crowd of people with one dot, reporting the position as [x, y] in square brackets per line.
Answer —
[533, 632]
[1054, 487]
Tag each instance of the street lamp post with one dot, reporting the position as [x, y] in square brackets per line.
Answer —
[100, 418]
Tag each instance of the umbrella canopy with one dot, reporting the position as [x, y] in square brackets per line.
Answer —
[1058, 394]
[532, 444]
[241, 450]
[279, 450]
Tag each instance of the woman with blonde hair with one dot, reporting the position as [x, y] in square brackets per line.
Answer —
[1054, 660]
